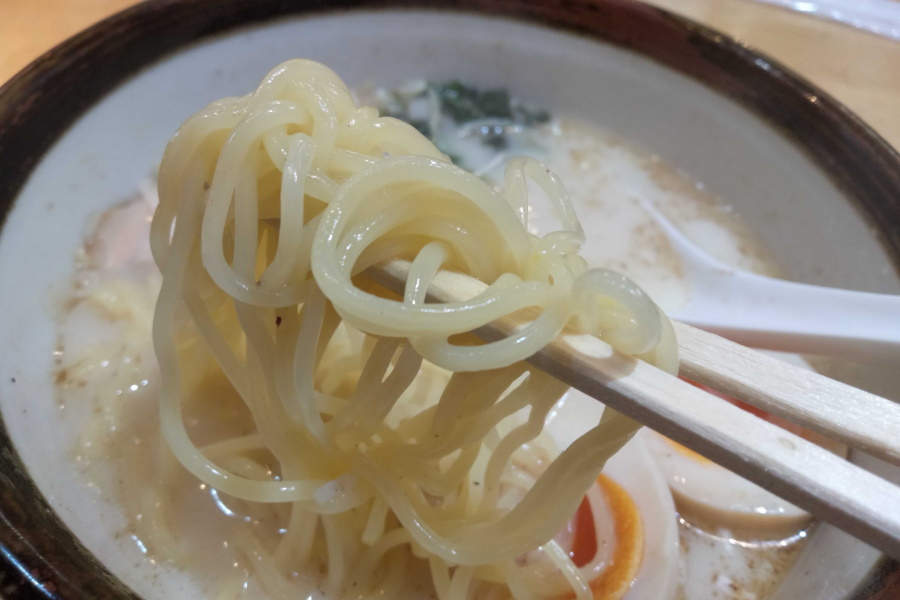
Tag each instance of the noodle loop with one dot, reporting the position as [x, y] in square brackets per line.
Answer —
[391, 434]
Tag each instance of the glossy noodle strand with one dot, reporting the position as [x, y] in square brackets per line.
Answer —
[379, 430]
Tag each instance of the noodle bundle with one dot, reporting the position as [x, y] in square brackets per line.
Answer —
[380, 428]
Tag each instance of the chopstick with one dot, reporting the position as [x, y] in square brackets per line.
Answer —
[858, 419]
[829, 487]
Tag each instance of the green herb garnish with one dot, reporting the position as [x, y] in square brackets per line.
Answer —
[492, 115]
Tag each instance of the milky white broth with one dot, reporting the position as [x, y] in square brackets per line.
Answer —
[107, 378]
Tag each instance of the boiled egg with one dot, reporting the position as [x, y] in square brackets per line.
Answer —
[624, 537]
[713, 498]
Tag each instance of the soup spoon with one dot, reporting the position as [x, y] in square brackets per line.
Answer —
[774, 314]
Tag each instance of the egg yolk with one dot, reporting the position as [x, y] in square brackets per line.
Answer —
[625, 560]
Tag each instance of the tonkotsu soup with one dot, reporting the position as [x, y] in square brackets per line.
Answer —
[93, 457]
[694, 540]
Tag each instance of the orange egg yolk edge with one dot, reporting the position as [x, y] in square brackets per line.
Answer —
[625, 560]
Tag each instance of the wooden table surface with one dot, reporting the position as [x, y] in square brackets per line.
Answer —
[858, 68]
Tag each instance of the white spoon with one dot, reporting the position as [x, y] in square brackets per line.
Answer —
[764, 312]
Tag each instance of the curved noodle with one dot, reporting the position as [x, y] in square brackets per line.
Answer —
[387, 428]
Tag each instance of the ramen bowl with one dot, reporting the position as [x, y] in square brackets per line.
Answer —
[85, 124]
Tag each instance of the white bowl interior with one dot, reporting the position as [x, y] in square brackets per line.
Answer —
[804, 219]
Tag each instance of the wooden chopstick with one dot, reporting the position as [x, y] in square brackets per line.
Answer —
[858, 419]
[829, 487]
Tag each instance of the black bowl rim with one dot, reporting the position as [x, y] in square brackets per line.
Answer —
[39, 556]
